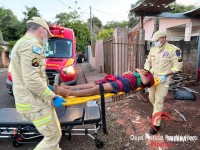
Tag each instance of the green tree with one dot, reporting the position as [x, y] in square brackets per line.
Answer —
[82, 34]
[72, 16]
[105, 34]
[11, 45]
[95, 22]
[115, 24]
[1, 49]
[63, 18]
[96, 26]
[81, 29]
[133, 19]
[74, 12]
[180, 8]
[1, 37]
[28, 14]
[9, 24]
[31, 12]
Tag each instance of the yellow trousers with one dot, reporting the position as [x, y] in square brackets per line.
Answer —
[156, 97]
[47, 123]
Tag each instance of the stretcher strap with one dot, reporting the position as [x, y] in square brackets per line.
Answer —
[103, 111]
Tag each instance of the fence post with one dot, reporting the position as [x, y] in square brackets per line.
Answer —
[198, 59]
[141, 48]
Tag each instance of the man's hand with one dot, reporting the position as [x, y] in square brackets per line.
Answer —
[57, 102]
[163, 78]
[128, 72]
[138, 70]
[51, 87]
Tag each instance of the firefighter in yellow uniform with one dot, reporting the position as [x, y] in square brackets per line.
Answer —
[163, 60]
[34, 98]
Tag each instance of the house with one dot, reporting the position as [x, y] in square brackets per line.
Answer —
[182, 29]
[181, 26]
[176, 29]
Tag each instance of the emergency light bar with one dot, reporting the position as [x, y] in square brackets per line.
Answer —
[57, 31]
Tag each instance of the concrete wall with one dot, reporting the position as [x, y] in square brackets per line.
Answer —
[172, 22]
[91, 59]
[173, 34]
[99, 58]
[120, 50]
[189, 52]
[149, 28]
[119, 47]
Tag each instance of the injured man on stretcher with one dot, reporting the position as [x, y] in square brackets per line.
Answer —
[112, 84]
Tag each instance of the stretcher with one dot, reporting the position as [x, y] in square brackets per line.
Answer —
[72, 100]
[22, 132]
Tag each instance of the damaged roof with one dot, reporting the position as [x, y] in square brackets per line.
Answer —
[193, 13]
[152, 6]
[160, 8]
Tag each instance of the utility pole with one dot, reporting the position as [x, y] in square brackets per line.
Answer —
[91, 25]
[156, 24]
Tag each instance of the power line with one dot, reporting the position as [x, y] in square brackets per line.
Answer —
[86, 9]
[63, 3]
[107, 13]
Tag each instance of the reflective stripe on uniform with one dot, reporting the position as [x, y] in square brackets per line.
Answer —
[161, 74]
[42, 121]
[174, 69]
[170, 47]
[36, 148]
[23, 107]
[147, 69]
[47, 92]
[27, 37]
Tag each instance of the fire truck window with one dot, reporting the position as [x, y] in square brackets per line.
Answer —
[61, 48]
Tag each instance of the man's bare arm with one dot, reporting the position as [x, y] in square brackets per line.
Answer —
[128, 72]
[144, 79]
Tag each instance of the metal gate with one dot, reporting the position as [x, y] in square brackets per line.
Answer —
[108, 56]
[120, 56]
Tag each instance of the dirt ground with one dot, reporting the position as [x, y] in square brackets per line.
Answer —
[128, 124]
[131, 118]
[128, 121]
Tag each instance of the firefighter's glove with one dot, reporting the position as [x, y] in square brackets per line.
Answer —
[51, 87]
[57, 101]
[163, 78]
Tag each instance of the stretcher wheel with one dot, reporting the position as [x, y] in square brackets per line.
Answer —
[99, 144]
[16, 143]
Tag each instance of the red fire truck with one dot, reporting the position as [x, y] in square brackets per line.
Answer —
[60, 57]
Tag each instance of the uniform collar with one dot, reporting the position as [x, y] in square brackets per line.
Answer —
[161, 48]
[37, 38]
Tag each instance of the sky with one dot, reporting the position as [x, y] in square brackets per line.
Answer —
[105, 10]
